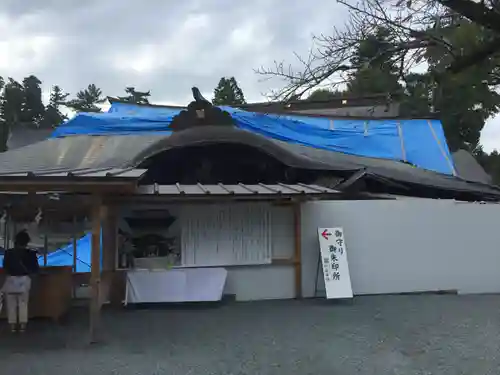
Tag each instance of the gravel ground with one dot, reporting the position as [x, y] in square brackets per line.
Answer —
[426, 334]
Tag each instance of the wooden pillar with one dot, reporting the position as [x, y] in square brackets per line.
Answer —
[109, 244]
[5, 230]
[95, 272]
[297, 250]
[75, 233]
[45, 249]
[109, 240]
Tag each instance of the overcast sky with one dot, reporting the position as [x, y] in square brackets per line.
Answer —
[163, 46]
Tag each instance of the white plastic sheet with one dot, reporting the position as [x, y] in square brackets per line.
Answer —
[175, 285]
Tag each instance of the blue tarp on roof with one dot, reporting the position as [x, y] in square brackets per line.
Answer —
[64, 256]
[420, 142]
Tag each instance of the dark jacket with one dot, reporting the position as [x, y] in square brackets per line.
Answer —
[20, 262]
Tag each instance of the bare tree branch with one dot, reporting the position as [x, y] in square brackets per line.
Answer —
[331, 57]
[412, 26]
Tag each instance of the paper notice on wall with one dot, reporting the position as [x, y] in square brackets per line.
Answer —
[333, 253]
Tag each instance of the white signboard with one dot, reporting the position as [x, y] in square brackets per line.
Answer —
[334, 260]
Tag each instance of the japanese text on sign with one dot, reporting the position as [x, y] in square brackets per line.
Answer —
[334, 261]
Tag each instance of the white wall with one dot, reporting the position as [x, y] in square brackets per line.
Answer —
[260, 282]
[408, 245]
[268, 281]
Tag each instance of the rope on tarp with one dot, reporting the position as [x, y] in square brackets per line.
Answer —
[454, 172]
[81, 261]
[402, 141]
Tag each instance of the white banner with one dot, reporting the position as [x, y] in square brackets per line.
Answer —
[334, 260]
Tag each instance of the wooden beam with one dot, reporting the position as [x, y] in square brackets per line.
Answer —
[219, 199]
[24, 208]
[95, 271]
[297, 250]
[26, 185]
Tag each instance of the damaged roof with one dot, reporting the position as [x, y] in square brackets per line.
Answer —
[468, 167]
[129, 151]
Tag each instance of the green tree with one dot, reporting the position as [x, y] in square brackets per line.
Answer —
[228, 92]
[53, 115]
[376, 71]
[417, 101]
[87, 100]
[324, 95]
[32, 109]
[138, 97]
[12, 99]
[463, 101]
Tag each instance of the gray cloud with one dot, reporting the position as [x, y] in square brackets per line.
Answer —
[164, 46]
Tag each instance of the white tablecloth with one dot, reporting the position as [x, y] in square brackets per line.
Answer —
[175, 285]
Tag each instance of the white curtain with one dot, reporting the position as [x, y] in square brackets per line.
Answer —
[220, 235]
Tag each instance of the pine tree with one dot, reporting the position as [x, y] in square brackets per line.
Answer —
[138, 97]
[87, 100]
[376, 71]
[12, 102]
[32, 109]
[324, 95]
[10, 110]
[53, 116]
[228, 92]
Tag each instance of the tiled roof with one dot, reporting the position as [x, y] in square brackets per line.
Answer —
[239, 190]
[85, 173]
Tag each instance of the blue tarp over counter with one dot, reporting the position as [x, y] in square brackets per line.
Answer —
[64, 256]
[419, 142]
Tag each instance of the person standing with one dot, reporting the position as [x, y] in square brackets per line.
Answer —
[20, 264]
